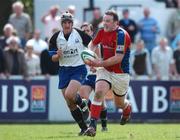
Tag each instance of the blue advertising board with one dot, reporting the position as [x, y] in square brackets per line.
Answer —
[24, 100]
[151, 100]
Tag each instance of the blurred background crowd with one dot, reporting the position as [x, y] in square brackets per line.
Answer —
[24, 50]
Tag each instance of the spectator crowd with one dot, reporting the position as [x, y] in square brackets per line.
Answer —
[24, 52]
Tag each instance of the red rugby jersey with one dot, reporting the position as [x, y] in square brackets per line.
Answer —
[117, 41]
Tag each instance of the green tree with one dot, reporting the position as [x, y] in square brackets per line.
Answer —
[5, 11]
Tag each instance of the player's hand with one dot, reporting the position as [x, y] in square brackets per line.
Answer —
[96, 63]
[92, 69]
[59, 53]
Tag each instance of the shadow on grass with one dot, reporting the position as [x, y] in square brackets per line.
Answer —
[61, 135]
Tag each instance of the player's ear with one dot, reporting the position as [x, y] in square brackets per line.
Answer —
[116, 22]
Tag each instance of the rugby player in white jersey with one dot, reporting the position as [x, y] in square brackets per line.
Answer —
[67, 46]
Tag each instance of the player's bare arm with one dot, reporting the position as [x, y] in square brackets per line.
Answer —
[108, 62]
[91, 46]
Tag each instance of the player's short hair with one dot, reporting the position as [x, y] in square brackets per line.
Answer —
[87, 24]
[66, 16]
[113, 14]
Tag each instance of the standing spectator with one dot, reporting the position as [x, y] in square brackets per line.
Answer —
[140, 61]
[67, 46]
[148, 28]
[128, 24]
[15, 63]
[51, 21]
[72, 9]
[8, 32]
[176, 55]
[33, 61]
[113, 71]
[174, 23]
[97, 18]
[162, 60]
[38, 44]
[21, 22]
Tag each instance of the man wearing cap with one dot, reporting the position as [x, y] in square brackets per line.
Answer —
[66, 46]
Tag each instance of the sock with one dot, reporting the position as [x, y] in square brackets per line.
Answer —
[89, 104]
[103, 117]
[126, 102]
[78, 100]
[77, 115]
[95, 111]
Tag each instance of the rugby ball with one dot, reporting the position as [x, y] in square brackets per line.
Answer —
[87, 55]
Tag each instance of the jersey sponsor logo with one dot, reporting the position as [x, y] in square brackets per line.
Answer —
[70, 53]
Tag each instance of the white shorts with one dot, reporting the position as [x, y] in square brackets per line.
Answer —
[119, 81]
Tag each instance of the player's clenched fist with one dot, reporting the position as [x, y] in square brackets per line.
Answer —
[57, 56]
[59, 53]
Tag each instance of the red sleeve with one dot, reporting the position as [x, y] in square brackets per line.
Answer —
[97, 38]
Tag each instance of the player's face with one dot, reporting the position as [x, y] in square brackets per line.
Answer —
[87, 30]
[67, 26]
[109, 23]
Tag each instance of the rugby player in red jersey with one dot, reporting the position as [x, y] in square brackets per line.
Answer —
[113, 71]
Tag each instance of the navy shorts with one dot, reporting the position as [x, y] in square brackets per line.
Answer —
[66, 74]
[90, 81]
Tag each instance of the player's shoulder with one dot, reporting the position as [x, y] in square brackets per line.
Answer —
[54, 36]
[123, 32]
[83, 35]
[80, 32]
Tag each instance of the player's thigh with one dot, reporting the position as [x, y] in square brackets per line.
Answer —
[85, 91]
[120, 84]
[72, 89]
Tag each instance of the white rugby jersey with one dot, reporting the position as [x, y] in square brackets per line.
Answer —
[71, 48]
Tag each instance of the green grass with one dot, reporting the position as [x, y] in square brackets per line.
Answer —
[69, 132]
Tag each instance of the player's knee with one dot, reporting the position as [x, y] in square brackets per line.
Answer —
[84, 93]
[69, 97]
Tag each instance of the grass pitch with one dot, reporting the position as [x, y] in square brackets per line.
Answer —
[69, 132]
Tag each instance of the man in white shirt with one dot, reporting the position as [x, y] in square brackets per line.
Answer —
[38, 44]
[162, 60]
[51, 21]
